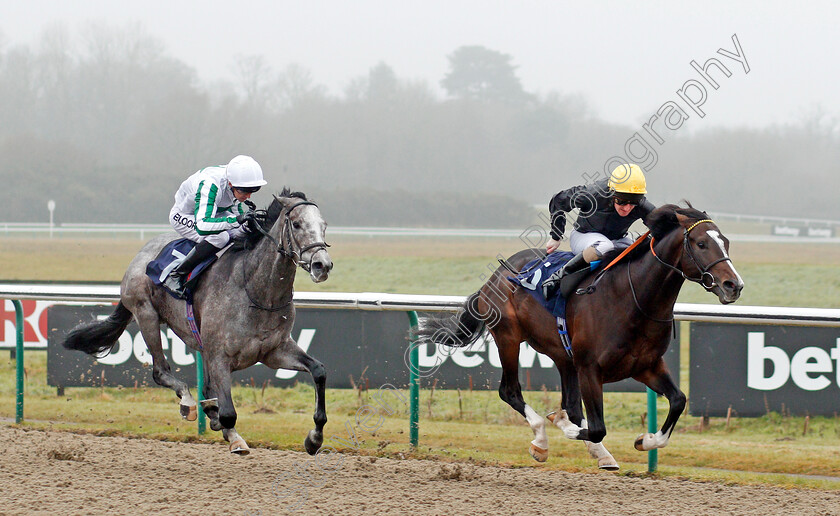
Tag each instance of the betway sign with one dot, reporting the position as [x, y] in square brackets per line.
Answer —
[759, 368]
[355, 346]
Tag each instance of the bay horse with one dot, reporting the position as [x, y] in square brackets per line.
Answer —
[243, 308]
[620, 329]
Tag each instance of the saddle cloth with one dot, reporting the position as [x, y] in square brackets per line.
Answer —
[535, 272]
[170, 257]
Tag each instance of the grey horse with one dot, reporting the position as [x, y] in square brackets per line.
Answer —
[243, 308]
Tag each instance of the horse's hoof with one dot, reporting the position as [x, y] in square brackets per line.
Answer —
[608, 464]
[215, 425]
[312, 443]
[240, 447]
[645, 442]
[209, 404]
[190, 413]
[551, 416]
[538, 453]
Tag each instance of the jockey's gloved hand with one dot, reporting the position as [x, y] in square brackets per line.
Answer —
[250, 204]
[246, 219]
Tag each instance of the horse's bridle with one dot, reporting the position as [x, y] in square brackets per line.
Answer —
[294, 253]
[704, 271]
[287, 235]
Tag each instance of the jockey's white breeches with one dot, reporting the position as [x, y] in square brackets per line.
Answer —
[580, 241]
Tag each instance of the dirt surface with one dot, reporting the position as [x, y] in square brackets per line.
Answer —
[64, 473]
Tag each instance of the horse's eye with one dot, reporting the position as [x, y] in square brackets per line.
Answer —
[296, 225]
[701, 245]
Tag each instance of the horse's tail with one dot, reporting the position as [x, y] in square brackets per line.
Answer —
[455, 330]
[96, 337]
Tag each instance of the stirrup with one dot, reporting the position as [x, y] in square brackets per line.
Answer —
[176, 284]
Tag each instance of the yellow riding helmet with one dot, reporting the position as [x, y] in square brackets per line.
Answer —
[628, 179]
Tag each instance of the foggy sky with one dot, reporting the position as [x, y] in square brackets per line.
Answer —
[625, 59]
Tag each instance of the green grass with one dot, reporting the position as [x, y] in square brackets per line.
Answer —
[774, 274]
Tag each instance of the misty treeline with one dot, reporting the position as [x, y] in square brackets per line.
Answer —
[107, 124]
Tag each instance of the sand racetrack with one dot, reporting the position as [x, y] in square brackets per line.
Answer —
[64, 473]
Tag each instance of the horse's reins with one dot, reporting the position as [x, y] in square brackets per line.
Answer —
[294, 255]
[704, 271]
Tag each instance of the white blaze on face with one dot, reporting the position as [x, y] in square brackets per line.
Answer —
[719, 241]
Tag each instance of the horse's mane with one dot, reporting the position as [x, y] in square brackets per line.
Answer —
[660, 221]
[268, 217]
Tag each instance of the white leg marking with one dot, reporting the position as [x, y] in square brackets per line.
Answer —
[653, 441]
[570, 430]
[237, 443]
[538, 426]
[600, 452]
[188, 400]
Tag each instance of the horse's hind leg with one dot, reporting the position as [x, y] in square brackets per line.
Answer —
[149, 323]
[511, 392]
[661, 382]
[290, 356]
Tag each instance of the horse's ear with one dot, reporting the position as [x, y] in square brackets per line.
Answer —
[682, 219]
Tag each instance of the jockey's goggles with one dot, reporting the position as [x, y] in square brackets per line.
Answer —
[624, 202]
[247, 189]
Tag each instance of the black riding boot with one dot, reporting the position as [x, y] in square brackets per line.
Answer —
[178, 278]
[576, 264]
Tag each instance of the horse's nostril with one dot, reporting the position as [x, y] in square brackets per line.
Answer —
[731, 286]
[317, 266]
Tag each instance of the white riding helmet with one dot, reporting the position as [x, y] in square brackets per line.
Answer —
[243, 171]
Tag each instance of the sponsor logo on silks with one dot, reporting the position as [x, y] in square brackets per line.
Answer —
[804, 367]
[183, 220]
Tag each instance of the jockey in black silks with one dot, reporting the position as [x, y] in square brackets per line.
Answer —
[209, 210]
[607, 210]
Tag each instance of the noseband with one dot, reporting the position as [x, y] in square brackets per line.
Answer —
[704, 271]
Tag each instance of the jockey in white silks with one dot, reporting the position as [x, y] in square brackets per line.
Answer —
[208, 209]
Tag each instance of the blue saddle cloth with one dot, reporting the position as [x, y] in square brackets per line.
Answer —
[170, 257]
[535, 272]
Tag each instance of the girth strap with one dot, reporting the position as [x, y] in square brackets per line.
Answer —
[193, 326]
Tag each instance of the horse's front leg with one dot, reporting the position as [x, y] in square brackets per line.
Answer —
[290, 356]
[571, 417]
[220, 407]
[593, 428]
[658, 379]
